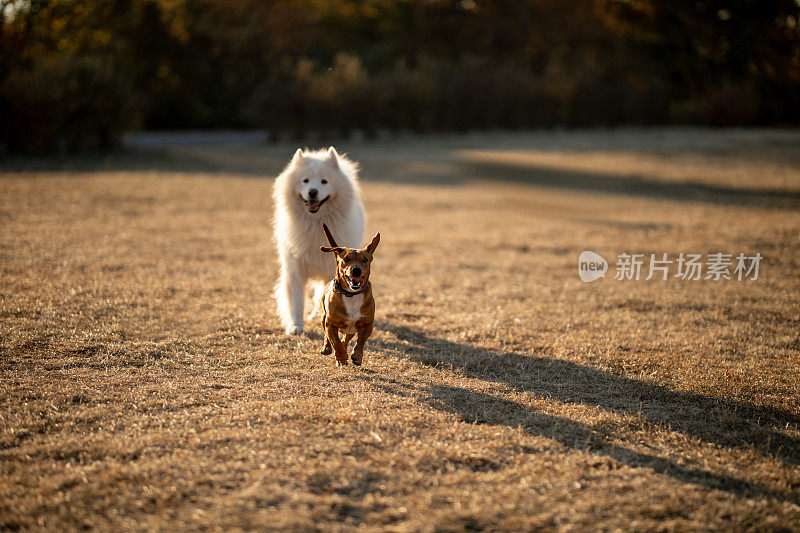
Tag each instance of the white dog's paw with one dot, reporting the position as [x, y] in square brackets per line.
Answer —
[294, 330]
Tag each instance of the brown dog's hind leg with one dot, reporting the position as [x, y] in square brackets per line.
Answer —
[347, 340]
[338, 348]
[326, 343]
[358, 351]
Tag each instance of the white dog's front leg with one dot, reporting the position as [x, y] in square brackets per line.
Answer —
[291, 294]
[316, 302]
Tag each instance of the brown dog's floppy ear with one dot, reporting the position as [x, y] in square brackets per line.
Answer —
[328, 236]
[374, 244]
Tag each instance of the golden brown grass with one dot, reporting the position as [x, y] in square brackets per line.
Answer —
[147, 384]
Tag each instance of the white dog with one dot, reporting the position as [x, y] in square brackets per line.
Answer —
[315, 187]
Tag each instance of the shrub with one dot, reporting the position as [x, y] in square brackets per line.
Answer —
[66, 104]
[730, 104]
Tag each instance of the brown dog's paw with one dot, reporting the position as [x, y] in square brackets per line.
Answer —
[341, 363]
[326, 351]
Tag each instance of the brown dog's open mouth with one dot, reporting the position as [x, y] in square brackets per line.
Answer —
[355, 283]
[314, 205]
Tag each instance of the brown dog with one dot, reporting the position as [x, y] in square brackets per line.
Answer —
[347, 304]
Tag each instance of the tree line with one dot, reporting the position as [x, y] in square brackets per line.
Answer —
[76, 74]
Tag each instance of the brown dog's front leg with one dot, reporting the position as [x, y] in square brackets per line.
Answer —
[358, 351]
[326, 343]
[338, 348]
[347, 339]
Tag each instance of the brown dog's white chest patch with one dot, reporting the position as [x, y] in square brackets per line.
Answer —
[352, 306]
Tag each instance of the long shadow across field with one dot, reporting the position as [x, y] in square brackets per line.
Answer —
[635, 186]
[442, 170]
[482, 408]
[721, 422]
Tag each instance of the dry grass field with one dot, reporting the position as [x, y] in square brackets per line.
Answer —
[145, 382]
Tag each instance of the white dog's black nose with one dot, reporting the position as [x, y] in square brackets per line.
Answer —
[312, 193]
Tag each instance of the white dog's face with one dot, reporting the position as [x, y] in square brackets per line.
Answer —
[314, 191]
[314, 180]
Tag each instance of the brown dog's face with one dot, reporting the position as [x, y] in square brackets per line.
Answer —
[353, 265]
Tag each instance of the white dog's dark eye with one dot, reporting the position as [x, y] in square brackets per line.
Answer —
[305, 180]
[324, 182]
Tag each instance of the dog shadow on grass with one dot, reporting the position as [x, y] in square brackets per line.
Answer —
[719, 422]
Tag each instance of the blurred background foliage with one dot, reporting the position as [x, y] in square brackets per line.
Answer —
[76, 74]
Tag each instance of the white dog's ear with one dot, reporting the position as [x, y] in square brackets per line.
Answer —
[333, 157]
[298, 157]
